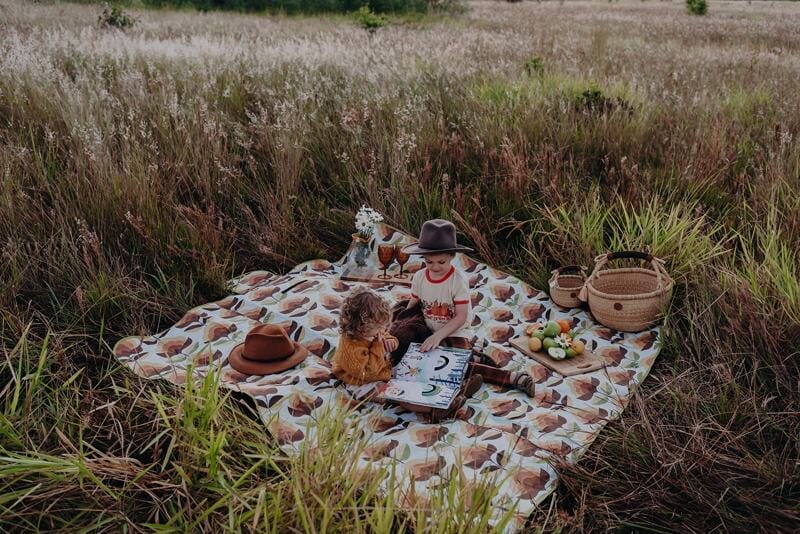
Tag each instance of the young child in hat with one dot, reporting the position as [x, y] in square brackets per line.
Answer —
[362, 355]
[440, 307]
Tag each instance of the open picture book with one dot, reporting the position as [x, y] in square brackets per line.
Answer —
[430, 378]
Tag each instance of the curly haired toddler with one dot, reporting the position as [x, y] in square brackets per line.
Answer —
[361, 356]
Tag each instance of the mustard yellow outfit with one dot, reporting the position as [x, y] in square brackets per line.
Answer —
[359, 361]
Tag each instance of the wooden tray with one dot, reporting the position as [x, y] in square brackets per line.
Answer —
[584, 363]
[371, 276]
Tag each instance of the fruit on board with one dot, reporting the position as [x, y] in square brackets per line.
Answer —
[552, 329]
[531, 328]
[554, 335]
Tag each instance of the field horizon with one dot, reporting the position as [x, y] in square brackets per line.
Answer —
[143, 168]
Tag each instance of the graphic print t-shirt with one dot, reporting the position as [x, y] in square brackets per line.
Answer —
[439, 297]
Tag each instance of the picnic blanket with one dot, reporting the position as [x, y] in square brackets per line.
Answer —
[499, 433]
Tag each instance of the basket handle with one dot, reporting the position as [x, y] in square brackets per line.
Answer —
[656, 263]
[569, 269]
[629, 255]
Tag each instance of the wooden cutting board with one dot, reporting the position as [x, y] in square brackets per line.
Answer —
[584, 363]
[372, 276]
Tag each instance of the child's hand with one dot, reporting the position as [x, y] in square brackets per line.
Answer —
[375, 393]
[390, 344]
[431, 343]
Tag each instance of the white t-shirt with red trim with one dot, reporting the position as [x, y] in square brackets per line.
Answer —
[438, 298]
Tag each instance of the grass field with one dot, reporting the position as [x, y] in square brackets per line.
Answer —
[140, 169]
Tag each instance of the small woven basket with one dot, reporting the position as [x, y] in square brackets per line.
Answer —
[566, 284]
[628, 299]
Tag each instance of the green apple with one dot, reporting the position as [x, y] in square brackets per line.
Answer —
[548, 343]
[552, 329]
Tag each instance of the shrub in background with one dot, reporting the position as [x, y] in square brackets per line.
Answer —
[115, 17]
[368, 20]
[697, 7]
[594, 100]
[534, 66]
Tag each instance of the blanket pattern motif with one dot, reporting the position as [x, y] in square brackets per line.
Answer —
[499, 433]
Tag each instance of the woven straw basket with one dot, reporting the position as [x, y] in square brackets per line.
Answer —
[629, 299]
[565, 284]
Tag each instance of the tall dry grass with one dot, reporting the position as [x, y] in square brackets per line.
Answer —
[141, 169]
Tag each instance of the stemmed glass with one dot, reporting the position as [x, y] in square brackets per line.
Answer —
[386, 257]
[402, 258]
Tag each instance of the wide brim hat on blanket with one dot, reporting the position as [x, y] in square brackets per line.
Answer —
[436, 236]
[267, 349]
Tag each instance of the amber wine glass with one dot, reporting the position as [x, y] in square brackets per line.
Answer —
[402, 258]
[386, 257]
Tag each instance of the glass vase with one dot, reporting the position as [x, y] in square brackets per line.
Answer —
[360, 254]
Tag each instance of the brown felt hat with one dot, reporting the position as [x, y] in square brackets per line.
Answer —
[267, 349]
[437, 235]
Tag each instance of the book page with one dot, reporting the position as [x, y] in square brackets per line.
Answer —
[421, 393]
[443, 365]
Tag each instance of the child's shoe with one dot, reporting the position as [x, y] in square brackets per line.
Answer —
[524, 382]
[478, 356]
[438, 415]
[472, 385]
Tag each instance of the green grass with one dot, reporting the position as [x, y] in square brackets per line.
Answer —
[192, 459]
[141, 172]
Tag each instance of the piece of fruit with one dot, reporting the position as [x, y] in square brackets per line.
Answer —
[539, 334]
[571, 353]
[565, 325]
[548, 343]
[578, 346]
[531, 328]
[552, 329]
[535, 344]
[557, 353]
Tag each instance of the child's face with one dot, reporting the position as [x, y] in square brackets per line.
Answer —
[375, 330]
[438, 264]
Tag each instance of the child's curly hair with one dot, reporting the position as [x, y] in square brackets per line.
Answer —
[361, 311]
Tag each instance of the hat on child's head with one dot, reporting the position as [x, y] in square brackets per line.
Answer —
[436, 236]
[267, 349]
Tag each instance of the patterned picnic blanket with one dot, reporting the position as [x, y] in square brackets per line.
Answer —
[499, 433]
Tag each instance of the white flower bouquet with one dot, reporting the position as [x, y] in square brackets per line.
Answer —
[366, 219]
